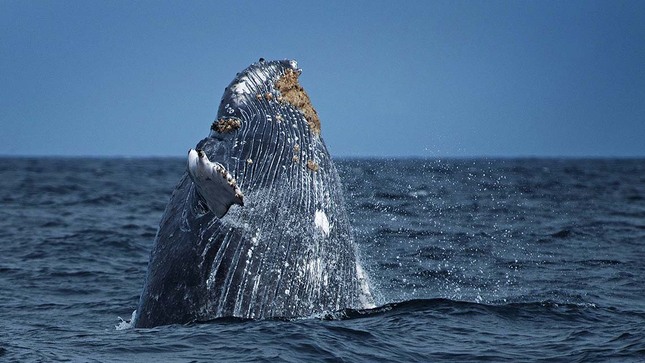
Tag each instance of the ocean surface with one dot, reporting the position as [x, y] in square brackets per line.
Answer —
[471, 260]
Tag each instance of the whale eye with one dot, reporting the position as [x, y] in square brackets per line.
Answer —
[200, 153]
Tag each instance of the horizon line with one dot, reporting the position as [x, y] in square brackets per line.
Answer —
[348, 157]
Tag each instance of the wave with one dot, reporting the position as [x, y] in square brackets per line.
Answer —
[547, 309]
[457, 307]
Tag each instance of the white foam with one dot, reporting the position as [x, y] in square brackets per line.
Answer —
[126, 324]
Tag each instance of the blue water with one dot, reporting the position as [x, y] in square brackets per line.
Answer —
[471, 260]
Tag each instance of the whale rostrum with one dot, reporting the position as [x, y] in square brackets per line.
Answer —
[256, 228]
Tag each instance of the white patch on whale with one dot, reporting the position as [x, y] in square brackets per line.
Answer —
[241, 88]
[365, 297]
[321, 221]
[248, 82]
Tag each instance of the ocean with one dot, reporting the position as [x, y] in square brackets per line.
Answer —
[531, 260]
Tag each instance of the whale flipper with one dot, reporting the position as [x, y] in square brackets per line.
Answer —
[213, 183]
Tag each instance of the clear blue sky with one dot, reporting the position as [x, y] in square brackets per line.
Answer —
[422, 78]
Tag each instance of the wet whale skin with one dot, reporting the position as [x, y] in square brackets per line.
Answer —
[289, 251]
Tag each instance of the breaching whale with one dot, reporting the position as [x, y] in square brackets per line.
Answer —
[256, 227]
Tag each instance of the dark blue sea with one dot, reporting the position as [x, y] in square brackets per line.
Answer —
[471, 260]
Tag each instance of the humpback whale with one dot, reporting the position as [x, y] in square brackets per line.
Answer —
[256, 227]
